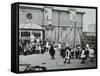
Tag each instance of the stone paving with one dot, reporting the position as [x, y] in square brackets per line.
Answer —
[46, 61]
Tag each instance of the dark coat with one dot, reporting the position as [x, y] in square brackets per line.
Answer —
[62, 53]
[52, 51]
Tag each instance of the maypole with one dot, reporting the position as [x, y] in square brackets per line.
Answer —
[73, 20]
[75, 34]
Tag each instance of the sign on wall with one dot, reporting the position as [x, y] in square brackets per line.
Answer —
[73, 15]
[47, 15]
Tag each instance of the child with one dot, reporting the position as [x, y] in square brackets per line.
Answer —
[91, 54]
[83, 55]
[68, 54]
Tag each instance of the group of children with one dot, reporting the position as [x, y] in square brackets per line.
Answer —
[66, 51]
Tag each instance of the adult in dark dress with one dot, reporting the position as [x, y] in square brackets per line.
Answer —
[62, 53]
[33, 49]
[52, 52]
[87, 52]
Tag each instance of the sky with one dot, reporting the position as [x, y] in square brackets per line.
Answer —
[88, 18]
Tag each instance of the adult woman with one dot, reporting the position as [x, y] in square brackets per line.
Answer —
[52, 52]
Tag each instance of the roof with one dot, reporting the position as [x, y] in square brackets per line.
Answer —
[30, 26]
[55, 8]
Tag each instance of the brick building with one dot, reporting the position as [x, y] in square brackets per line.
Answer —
[54, 21]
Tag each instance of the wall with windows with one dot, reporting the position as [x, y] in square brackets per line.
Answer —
[28, 34]
[58, 18]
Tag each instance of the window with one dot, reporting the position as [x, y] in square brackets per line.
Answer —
[29, 16]
[25, 34]
[37, 34]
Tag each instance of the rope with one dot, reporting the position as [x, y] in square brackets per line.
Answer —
[84, 40]
[66, 37]
[81, 36]
[67, 32]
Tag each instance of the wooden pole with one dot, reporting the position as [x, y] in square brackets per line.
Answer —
[75, 35]
[58, 24]
[74, 38]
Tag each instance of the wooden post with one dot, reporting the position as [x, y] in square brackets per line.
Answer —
[58, 24]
